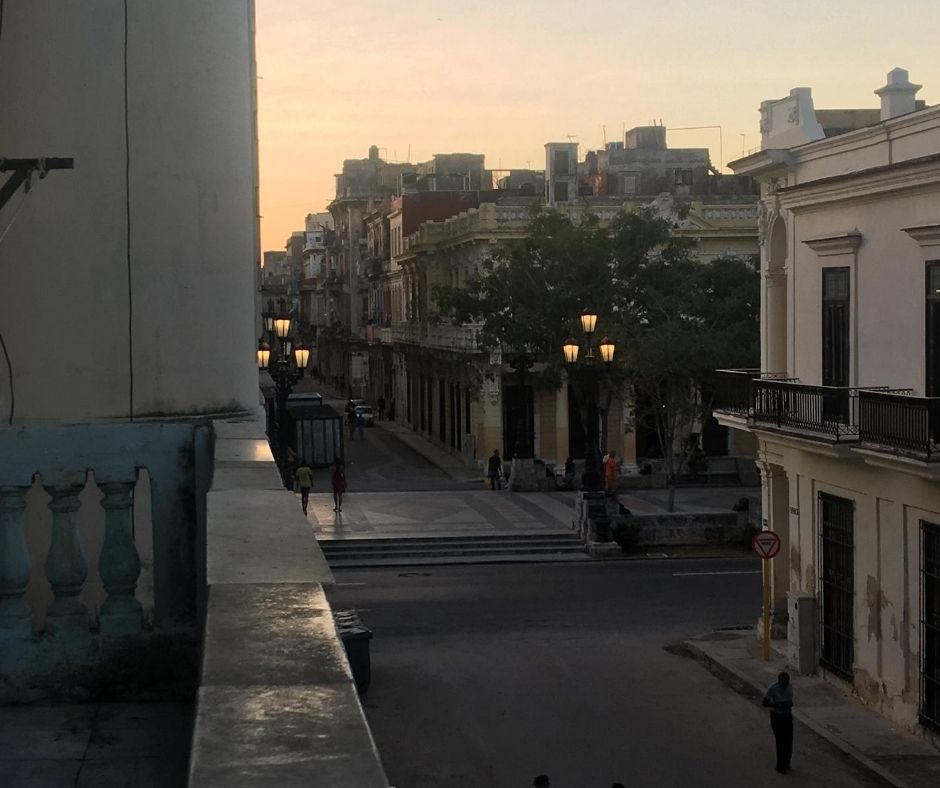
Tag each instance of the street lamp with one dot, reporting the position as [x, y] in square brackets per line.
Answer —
[286, 366]
[586, 376]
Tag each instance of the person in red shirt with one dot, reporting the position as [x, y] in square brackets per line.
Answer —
[610, 472]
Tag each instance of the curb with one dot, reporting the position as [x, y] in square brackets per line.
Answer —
[724, 671]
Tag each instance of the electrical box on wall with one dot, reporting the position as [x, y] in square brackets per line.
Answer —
[801, 631]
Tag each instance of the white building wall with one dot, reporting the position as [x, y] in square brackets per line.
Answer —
[183, 327]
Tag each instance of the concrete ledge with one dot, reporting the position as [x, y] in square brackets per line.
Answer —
[276, 704]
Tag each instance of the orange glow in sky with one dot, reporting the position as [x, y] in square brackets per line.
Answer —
[503, 77]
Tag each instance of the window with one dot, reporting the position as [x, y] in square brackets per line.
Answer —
[837, 584]
[561, 163]
[835, 326]
[933, 329]
[683, 177]
[561, 191]
[630, 181]
[930, 625]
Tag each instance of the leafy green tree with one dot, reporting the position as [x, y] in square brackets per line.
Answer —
[674, 318]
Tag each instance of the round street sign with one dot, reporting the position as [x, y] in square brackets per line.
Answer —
[766, 544]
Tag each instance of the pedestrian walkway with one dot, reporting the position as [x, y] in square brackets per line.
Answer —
[438, 513]
[897, 756]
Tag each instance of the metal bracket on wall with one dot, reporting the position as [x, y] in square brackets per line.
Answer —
[22, 169]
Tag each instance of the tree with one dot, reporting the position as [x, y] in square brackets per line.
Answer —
[675, 319]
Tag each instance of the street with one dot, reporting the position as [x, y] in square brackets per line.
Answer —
[489, 675]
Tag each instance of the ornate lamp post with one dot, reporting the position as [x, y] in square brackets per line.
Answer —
[286, 366]
[586, 376]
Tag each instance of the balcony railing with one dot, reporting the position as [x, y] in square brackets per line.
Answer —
[824, 410]
[900, 422]
[734, 389]
[827, 411]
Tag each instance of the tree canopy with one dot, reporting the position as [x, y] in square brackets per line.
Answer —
[675, 318]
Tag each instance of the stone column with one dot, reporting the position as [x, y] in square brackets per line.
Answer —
[119, 564]
[16, 619]
[66, 566]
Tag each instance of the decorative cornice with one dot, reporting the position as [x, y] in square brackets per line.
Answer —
[835, 243]
[927, 235]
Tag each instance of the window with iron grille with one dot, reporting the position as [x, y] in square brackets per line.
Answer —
[835, 326]
[837, 584]
[930, 625]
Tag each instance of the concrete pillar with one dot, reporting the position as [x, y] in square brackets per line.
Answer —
[775, 505]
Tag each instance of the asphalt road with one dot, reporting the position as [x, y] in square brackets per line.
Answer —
[489, 675]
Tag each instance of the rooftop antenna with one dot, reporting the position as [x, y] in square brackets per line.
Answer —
[409, 153]
[571, 137]
[604, 130]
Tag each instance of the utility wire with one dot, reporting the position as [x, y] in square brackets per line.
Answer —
[3, 345]
[127, 197]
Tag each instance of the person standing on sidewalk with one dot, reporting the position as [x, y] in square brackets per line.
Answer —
[304, 482]
[779, 698]
[610, 472]
[495, 471]
[338, 481]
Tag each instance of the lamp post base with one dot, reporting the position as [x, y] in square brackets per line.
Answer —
[523, 476]
[603, 549]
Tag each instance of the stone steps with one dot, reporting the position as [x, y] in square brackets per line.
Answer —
[361, 551]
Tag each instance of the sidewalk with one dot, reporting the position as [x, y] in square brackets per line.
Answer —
[898, 757]
[447, 462]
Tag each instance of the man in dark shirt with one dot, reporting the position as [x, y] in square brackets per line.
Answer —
[495, 471]
[779, 698]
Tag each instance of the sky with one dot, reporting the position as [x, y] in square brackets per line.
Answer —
[503, 77]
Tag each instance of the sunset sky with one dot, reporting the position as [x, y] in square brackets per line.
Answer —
[503, 77]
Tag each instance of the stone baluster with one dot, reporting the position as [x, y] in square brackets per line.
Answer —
[66, 566]
[119, 564]
[16, 619]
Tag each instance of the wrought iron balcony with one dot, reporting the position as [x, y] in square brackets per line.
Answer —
[901, 423]
[828, 411]
[734, 389]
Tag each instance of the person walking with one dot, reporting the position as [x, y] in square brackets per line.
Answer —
[304, 478]
[610, 472]
[338, 481]
[361, 425]
[381, 404]
[779, 698]
[351, 421]
[495, 471]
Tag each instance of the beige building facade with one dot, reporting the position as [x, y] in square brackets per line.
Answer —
[846, 406]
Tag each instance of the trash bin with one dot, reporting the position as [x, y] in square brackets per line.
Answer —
[355, 639]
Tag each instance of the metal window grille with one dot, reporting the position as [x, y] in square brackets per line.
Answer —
[930, 625]
[837, 584]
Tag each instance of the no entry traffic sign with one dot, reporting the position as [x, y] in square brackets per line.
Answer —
[766, 544]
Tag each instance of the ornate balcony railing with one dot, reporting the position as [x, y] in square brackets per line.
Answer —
[734, 389]
[827, 411]
[903, 423]
[89, 563]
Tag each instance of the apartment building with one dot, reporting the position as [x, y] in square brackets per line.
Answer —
[846, 406]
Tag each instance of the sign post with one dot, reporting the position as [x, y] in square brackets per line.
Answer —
[766, 544]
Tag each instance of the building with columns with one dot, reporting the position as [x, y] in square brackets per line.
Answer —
[846, 405]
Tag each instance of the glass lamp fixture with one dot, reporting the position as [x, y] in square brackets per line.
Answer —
[268, 321]
[301, 356]
[571, 349]
[607, 350]
[588, 321]
[282, 326]
[264, 355]
[287, 346]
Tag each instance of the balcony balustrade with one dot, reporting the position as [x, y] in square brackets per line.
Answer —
[900, 422]
[95, 599]
[734, 389]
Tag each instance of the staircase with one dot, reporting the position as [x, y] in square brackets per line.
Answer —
[472, 549]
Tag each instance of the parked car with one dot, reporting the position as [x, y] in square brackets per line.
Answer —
[352, 404]
[367, 413]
